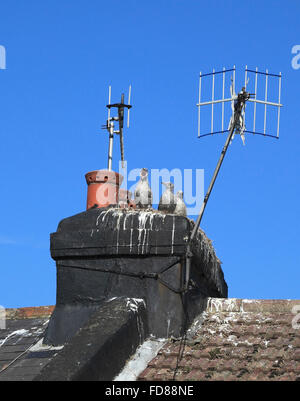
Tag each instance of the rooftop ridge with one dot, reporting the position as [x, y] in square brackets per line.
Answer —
[29, 312]
[215, 305]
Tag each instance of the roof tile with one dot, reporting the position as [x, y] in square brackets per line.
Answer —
[235, 340]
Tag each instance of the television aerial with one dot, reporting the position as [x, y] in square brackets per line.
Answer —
[237, 123]
[110, 124]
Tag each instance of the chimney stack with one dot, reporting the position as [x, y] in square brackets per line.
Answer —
[107, 253]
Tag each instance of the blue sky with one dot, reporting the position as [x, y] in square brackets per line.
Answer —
[60, 58]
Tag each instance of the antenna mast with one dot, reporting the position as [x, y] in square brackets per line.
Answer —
[110, 125]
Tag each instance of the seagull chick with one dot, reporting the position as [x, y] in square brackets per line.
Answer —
[143, 194]
[180, 208]
[167, 200]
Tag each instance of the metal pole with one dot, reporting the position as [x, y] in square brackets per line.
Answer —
[217, 169]
[197, 224]
[110, 126]
[110, 145]
[279, 99]
[128, 110]
[223, 97]
[212, 104]
[200, 81]
[211, 185]
[266, 98]
[255, 91]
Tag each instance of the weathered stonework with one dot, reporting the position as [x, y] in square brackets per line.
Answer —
[105, 253]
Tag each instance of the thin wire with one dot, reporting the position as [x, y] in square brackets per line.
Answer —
[140, 275]
[19, 356]
[183, 338]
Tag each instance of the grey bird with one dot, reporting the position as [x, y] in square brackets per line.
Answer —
[143, 194]
[167, 201]
[180, 208]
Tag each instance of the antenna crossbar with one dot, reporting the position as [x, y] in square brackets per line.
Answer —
[266, 102]
[214, 102]
[263, 73]
[216, 72]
